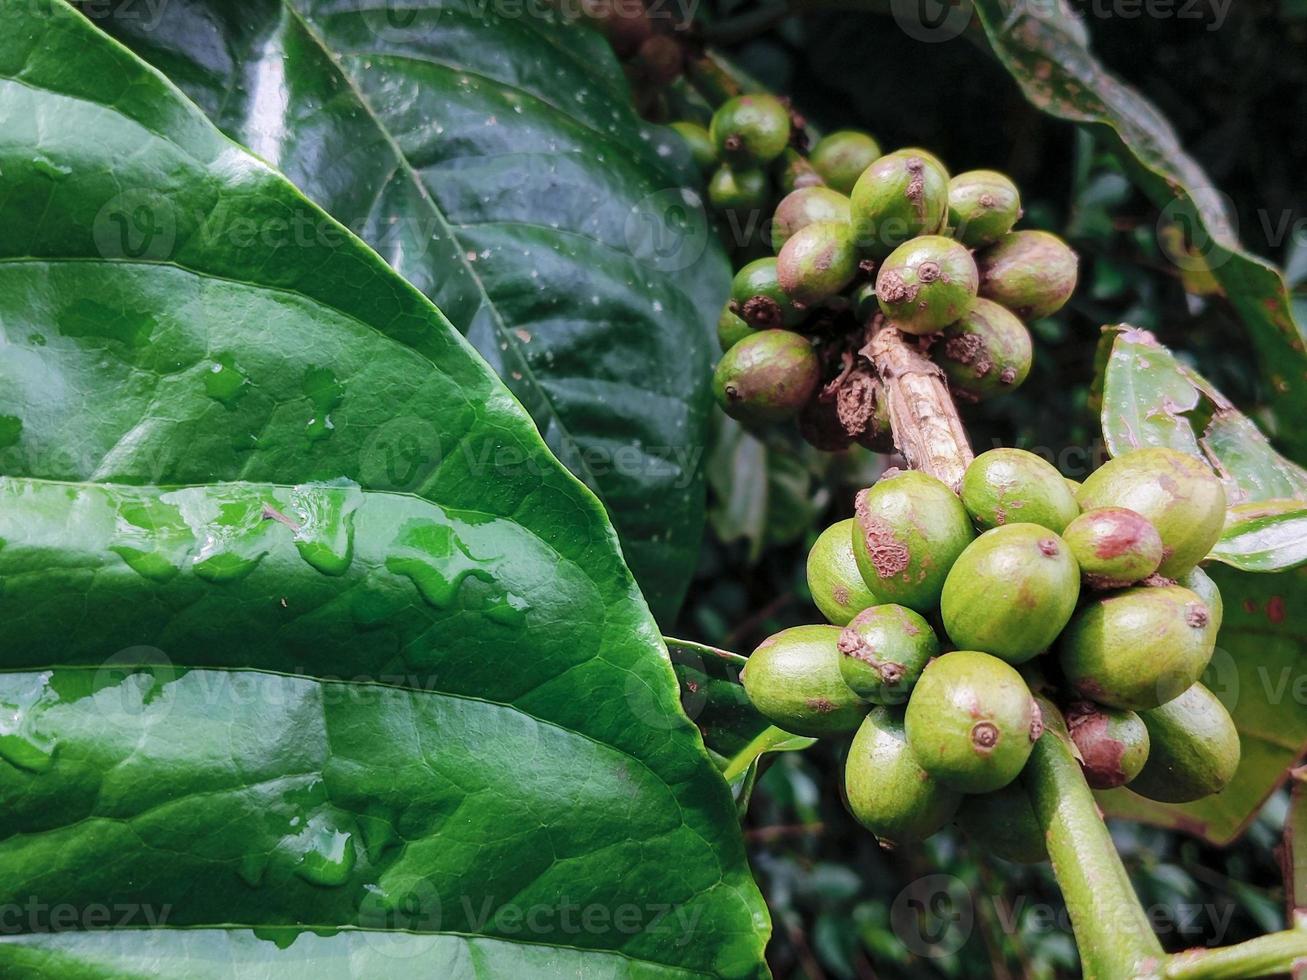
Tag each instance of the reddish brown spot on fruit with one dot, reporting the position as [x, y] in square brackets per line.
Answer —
[1036, 721]
[928, 271]
[1100, 755]
[889, 556]
[1195, 614]
[822, 705]
[762, 312]
[841, 595]
[984, 736]
[1048, 547]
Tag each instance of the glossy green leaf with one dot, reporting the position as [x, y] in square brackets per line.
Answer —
[1259, 673]
[1149, 398]
[253, 708]
[1047, 51]
[492, 156]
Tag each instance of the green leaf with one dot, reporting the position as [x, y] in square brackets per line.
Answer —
[1148, 398]
[252, 709]
[1259, 673]
[1047, 53]
[492, 156]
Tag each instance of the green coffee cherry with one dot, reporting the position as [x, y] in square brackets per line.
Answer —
[842, 156]
[793, 171]
[702, 149]
[898, 197]
[986, 352]
[1010, 592]
[731, 329]
[766, 377]
[751, 129]
[887, 791]
[1003, 823]
[804, 206]
[759, 300]
[1177, 493]
[817, 261]
[738, 188]
[1137, 648]
[793, 679]
[971, 721]
[983, 205]
[1032, 273]
[833, 577]
[926, 284]
[1195, 749]
[1112, 743]
[1200, 584]
[885, 648]
[1114, 547]
[1007, 486]
[908, 531]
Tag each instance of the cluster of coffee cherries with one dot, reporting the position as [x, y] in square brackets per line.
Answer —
[950, 611]
[864, 239]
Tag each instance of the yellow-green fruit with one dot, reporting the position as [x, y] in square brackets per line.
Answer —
[817, 261]
[802, 207]
[759, 300]
[751, 129]
[887, 791]
[884, 650]
[738, 188]
[1032, 273]
[702, 150]
[908, 531]
[731, 329]
[1003, 823]
[766, 377]
[983, 205]
[1010, 592]
[1195, 749]
[793, 171]
[1009, 486]
[1200, 583]
[971, 721]
[926, 284]
[842, 156]
[1112, 743]
[1137, 648]
[833, 577]
[986, 352]
[794, 681]
[898, 197]
[1114, 547]
[1179, 495]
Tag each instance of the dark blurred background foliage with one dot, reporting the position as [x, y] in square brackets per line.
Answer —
[1234, 84]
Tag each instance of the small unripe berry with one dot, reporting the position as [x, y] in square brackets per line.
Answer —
[751, 129]
[909, 530]
[793, 679]
[926, 284]
[1012, 486]
[1003, 823]
[885, 648]
[985, 353]
[842, 156]
[1114, 547]
[887, 790]
[983, 205]
[899, 196]
[1112, 743]
[731, 329]
[766, 377]
[1137, 648]
[836, 585]
[1200, 584]
[1177, 493]
[759, 300]
[793, 171]
[817, 262]
[1194, 749]
[802, 207]
[1010, 592]
[971, 721]
[738, 188]
[1032, 273]
[702, 149]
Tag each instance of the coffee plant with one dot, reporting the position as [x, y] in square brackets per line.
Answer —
[358, 363]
